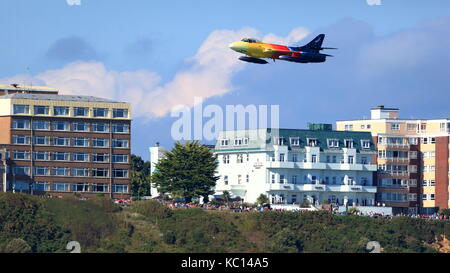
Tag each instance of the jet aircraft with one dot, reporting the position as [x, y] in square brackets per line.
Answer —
[256, 51]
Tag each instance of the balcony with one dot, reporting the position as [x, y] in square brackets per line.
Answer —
[321, 166]
[394, 173]
[394, 159]
[320, 188]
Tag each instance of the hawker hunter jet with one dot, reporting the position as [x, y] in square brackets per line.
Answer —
[256, 51]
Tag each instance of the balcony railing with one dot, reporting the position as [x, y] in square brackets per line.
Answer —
[320, 187]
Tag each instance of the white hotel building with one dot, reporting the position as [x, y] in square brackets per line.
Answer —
[291, 165]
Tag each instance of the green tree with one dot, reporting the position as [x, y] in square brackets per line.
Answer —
[140, 176]
[262, 199]
[226, 197]
[188, 170]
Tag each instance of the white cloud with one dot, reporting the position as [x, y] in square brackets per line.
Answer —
[209, 75]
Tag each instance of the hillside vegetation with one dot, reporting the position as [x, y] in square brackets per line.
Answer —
[33, 224]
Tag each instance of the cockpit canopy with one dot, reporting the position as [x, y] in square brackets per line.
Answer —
[250, 40]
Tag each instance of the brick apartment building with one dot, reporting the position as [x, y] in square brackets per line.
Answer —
[413, 159]
[63, 144]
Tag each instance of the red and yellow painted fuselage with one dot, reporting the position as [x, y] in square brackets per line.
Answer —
[258, 49]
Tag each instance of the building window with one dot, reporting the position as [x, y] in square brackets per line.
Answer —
[21, 124]
[100, 158]
[80, 111]
[120, 158]
[81, 126]
[278, 140]
[100, 142]
[423, 127]
[61, 110]
[61, 171]
[61, 141]
[80, 142]
[239, 158]
[411, 127]
[281, 157]
[39, 170]
[295, 141]
[365, 144]
[432, 140]
[226, 159]
[351, 159]
[60, 156]
[120, 188]
[80, 187]
[82, 157]
[61, 187]
[282, 179]
[22, 170]
[21, 109]
[334, 159]
[395, 126]
[41, 186]
[348, 127]
[333, 143]
[120, 143]
[348, 143]
[238, 142]
[314, 158]
[225, 179]
[41, 155]
[239, 179]
[120, 113]
[294, 158]
[363, 126]
[40, 110]
[41, 125]
[100, 127]
[100, 187]
[273, 178]
[413, 140]
[100, 112]
[41, 140]
[224, 142]
[100, 172]
[312, 142]
[247, 178]
[294, 179]
[83, 172]
[21, 155]
[60, 126]
[120, 128]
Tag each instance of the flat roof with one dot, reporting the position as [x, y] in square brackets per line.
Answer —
[30, 96]
[20, 87]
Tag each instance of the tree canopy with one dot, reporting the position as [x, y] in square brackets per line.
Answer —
[140, 176]
[188, 170]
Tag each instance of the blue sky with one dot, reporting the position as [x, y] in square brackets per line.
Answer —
[394, 54]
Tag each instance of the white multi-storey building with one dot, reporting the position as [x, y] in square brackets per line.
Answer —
[290, 166]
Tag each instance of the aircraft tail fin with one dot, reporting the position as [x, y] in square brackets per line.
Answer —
[315, 44]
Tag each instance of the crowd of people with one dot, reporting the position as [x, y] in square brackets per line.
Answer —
[242, 207]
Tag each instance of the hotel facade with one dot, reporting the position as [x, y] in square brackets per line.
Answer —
[412, 157]
[64, 144]
[290, 166]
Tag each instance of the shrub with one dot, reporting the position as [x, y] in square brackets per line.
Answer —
[152, 209]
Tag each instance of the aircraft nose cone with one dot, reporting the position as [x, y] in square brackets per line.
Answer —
[232, 46]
